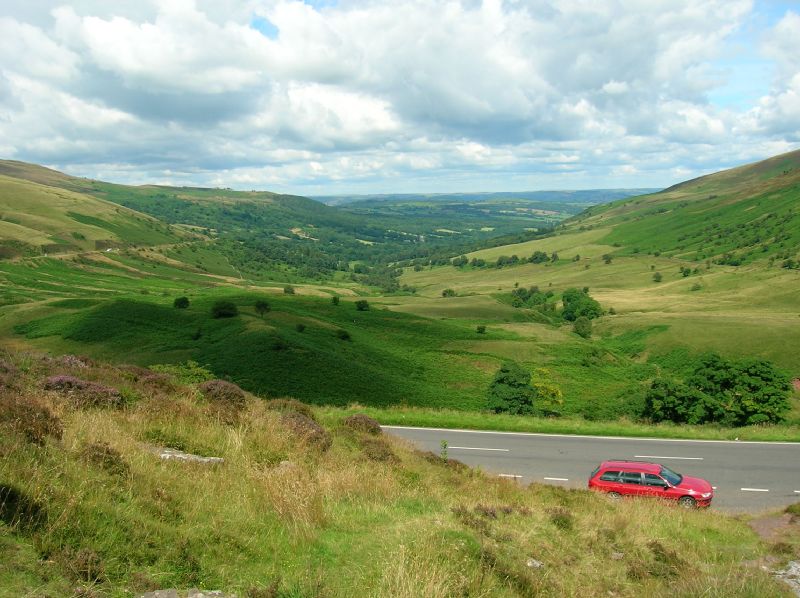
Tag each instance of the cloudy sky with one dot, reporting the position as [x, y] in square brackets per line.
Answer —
[366, 96]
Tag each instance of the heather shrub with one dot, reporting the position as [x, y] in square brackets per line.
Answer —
[306, 428]
[84, 565]
[289, 406]
[362, 423]
[377, 449]
[30, 418]
[224, 393]
[83, 392]
[19, 511]
[106, 457]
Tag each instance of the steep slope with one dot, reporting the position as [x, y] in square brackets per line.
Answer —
[37, 218]
[734, 217]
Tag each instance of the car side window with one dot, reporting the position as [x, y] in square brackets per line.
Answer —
[610, 476]
[651, 479]
[631, 477]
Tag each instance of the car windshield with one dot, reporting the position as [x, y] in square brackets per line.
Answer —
[673, 478]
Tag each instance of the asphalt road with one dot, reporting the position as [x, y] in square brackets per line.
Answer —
[748, 476]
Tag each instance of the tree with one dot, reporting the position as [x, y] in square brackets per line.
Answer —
[657, 277]
[300, 327]
[582, 327]
[730, 392]
[288, 290]
[362, 305]
[480, 329]
[224, 309]
[335, 300]
[181, 302]
[262, 307]
[448, 293]
[510, 390]
[578, 303]
[342, 334]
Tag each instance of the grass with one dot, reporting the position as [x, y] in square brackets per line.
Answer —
[482, 420]
[338, 523]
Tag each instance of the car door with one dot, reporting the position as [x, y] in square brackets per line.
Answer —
[631, 483]
[655, 485]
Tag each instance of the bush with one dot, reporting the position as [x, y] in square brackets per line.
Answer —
[181, 303]
[510, 391]
[658, 277]
[335, 300]
[300, 327]
[31, 419]
[288, 290]
[307, 429]
[362, 305]
[377, 449]
[223, 393]
[18, 511]
[448, 293]
[480, 329]
[730, 392]
[290, 406]
[106, 457]
[582, 327]
[224, 309]
[84, 393]
[363, 423]
[578, 304]
[342, 334]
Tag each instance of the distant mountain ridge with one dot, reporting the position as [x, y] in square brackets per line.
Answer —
[582, 196]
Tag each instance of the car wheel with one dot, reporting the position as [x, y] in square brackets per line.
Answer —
[687, 502]
[614, 495]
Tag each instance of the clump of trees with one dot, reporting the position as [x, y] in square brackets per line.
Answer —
[578, 303]
[181, 303]
[729, 392]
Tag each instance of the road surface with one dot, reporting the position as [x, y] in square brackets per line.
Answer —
[748, 476]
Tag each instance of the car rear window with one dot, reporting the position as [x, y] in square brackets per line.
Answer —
[631, 477]
[610, 476]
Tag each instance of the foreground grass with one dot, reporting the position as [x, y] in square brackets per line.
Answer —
[368, 517]
[481, 420]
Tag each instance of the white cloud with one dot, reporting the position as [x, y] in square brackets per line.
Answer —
[371, 95]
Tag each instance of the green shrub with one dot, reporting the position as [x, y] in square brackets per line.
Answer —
[290, 406]
[510, 391]
[342, 334]
[363, 423]
[362, 305]
[335, 300]
[288, 290]
[224, 309]
[480, 329]
[582, 327]
[181, 303]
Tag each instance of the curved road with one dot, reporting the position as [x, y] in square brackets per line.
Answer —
[748, 476]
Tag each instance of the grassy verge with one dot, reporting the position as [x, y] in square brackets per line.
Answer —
[89, 505]
[478, 420]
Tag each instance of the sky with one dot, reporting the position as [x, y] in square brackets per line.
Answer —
[329, 97]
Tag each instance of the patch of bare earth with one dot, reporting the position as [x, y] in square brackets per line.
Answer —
[777, 530]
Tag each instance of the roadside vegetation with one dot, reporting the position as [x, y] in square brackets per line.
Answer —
[300, 507]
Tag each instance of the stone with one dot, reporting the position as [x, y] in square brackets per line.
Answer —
[534, 564]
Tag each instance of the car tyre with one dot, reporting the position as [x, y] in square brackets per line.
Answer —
[615, 496]
[687, 502]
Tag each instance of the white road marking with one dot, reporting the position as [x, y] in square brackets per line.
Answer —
[508, 475]
[754, 489]
[687, 440]
[476, 448]
[797, 491]
[558, 479]
[657, 457]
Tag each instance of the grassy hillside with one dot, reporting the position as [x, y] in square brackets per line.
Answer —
[690, 235]
[40, 219]
[89, 508]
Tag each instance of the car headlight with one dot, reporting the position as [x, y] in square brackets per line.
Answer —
[706, 494]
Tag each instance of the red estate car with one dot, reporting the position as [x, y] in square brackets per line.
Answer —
[640, 478]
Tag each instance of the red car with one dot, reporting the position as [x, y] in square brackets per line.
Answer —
[640, 478]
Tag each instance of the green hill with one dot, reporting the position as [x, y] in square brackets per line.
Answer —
[37, 218]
